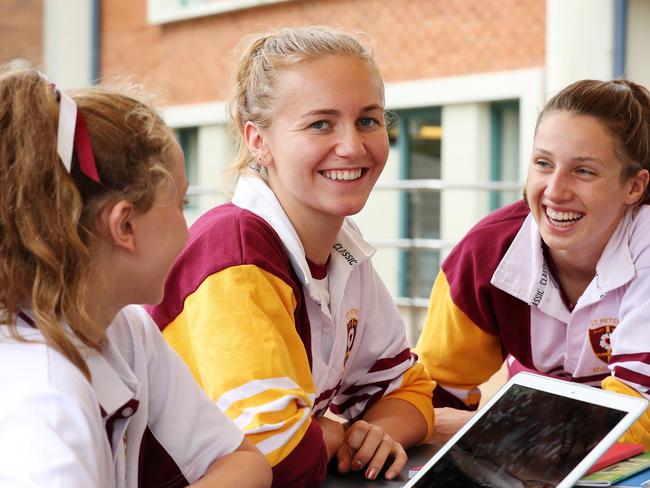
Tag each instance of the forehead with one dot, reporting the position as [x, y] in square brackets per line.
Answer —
[569, 132]
[331, 82]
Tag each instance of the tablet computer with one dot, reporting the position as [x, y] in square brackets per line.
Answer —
[536, 432]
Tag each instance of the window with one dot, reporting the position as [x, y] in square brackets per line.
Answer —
[418, 137]
[188, 139]
[505, 150]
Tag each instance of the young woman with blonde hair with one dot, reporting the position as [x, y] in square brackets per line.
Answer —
[274, 303]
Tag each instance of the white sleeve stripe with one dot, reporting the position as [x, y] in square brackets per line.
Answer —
[276, 405]
[253, 388]
[281, 438]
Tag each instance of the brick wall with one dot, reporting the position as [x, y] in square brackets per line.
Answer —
[21, 26]
[190, 61]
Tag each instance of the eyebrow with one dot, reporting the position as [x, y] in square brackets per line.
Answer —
[578, 158]
[326, 111]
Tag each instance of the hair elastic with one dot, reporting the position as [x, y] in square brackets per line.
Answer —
[72, 133]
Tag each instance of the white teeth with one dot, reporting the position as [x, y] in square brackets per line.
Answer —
[563, 218]
[342, 174]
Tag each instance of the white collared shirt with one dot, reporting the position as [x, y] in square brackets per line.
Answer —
[53, 428]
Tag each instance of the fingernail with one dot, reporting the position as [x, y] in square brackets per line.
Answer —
[371, 473]
[390, 475]
[358, 464]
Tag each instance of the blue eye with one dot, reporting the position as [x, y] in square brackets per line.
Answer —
[368, 122]
[585, 172]
[320, 125]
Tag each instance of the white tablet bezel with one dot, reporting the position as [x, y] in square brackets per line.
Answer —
[633, 406]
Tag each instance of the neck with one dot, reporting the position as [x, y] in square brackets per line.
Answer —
[317, 233]
[317, 239]
[104, 290]
[101, 307]
[574, 274]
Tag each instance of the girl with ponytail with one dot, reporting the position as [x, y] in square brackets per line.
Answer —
[274, 302]
[91, 219]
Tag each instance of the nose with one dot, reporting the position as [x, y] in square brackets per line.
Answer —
[350, 143]
[559, 187]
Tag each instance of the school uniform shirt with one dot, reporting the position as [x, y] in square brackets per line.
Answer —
[142, 422]
[273, 345]
[495, 296]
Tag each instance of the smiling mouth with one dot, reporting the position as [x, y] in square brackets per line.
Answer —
[563, 219]
[343, 174]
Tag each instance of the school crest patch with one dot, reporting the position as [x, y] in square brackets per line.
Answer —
[600, 333]
[353, 321]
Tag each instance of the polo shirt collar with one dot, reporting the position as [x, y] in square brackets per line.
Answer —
[114, 383]
[523, 274]
[349, 251]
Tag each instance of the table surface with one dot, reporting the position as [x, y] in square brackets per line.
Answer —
[448, 421]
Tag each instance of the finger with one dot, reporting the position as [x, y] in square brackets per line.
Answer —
[356, 434]
[344, 458]
[399, 461]
[375, 436]
[379, 458]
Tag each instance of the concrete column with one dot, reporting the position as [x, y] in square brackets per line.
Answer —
[638, 40]
[68, 42]
[579, 42]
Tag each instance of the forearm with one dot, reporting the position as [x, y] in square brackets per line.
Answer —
[243, 468]
[399, 419]
[333, 435]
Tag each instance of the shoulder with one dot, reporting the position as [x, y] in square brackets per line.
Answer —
[230, 235]
[31, 370]
[225, 237]
[486, 243]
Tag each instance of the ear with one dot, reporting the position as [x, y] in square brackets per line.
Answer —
[256, 142]
[637, 185]
[120, 223]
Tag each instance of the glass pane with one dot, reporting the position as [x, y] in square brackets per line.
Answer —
[424, 144]
[505, 150]
[188, 138]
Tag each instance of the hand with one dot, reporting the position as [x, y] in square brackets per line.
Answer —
[368, 444]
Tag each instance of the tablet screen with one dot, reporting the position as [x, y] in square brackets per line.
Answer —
[529, 438]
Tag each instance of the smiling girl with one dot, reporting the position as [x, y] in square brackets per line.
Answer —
[274, 303]
[560, 281]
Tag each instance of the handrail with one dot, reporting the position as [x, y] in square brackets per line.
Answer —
[406, 185]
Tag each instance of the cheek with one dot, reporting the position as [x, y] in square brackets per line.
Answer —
[380, 148]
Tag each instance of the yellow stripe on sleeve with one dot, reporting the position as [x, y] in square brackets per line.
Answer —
[639, 433]
[238, 336]
[456, 353]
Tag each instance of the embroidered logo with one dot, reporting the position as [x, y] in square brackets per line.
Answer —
[353, 319]
[600, 333]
